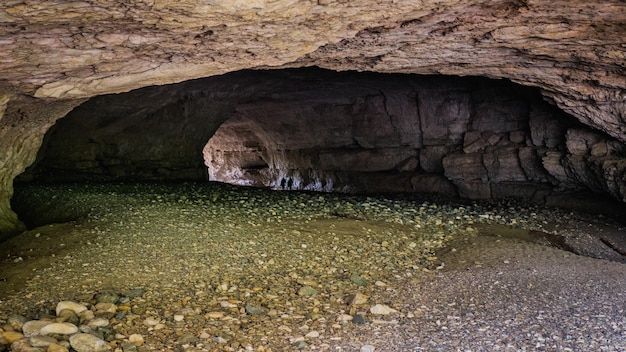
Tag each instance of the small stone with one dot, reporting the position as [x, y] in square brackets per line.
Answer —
[68, 315]
[381, 309]
[356, 299]
[59, 328]
[128, 347]
[42, 341]
[17, 321]
[88, 343]
[56, 348]
[12, 336]
[136, 339]
[300, 345]
[359, 319]
[220, 340]
[106, 310]
[107, 297]
[226, 304]
[98, 323]
[252, 310]
[33, 327]
[307, 291]
[22, 345]
[312, 335]
[367, 348]
[150, 322]
[357, 279]
[179, 317]
[344, 317]
[76, 307]
[86, 316]
[215, 315]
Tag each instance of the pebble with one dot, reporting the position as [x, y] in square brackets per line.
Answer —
[359, 319]
[312, 335]
[356, 299]
[98, 323]
[59, 328]
[150, 321]
[357, 279]
[88, 343]
[136, 339]
[86, 316]
[307, 291]
[12, 336]
[69, 316]
[106, 310]
[75, 307]
[22, 345]
[107, 297]
[367, 348]
[215, 315]
[33, 327]
[57, 348]
[42, 341]
[17, 321]
[252, 310]
[381, 309]
[344, 317]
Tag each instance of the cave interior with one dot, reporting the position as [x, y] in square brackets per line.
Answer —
[352, 132]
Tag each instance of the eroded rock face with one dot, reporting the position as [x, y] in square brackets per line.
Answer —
[572, 50]
[22, 128]
[325, 131]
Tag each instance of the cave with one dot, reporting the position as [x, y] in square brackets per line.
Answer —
[312, 175]
[319, 130]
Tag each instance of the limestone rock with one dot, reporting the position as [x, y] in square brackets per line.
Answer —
[33, 327]
[88, 343]
[59, 328]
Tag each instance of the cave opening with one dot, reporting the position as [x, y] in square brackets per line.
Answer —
[350, 132]
[433, 199]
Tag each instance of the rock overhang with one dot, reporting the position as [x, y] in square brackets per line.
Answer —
[58, 51]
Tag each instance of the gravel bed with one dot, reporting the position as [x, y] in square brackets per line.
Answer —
[211, 267]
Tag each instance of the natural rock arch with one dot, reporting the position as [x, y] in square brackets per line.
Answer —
[311, 129]
[62, 52]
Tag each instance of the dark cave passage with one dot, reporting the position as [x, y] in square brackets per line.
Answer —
[312, 129]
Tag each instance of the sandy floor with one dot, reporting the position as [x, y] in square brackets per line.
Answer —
[224, 269]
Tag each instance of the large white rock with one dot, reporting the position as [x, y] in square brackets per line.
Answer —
[59, 328]
[33, 327]
[76, 307]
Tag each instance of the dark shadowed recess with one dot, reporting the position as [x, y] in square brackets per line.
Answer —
[317, 130]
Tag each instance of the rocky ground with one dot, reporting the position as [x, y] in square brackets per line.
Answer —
[208, 267]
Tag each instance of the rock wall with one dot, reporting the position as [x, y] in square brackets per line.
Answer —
[23, 123]
[348, 132]
[55, 50]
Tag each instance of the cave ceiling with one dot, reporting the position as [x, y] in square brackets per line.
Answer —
[572, 50]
